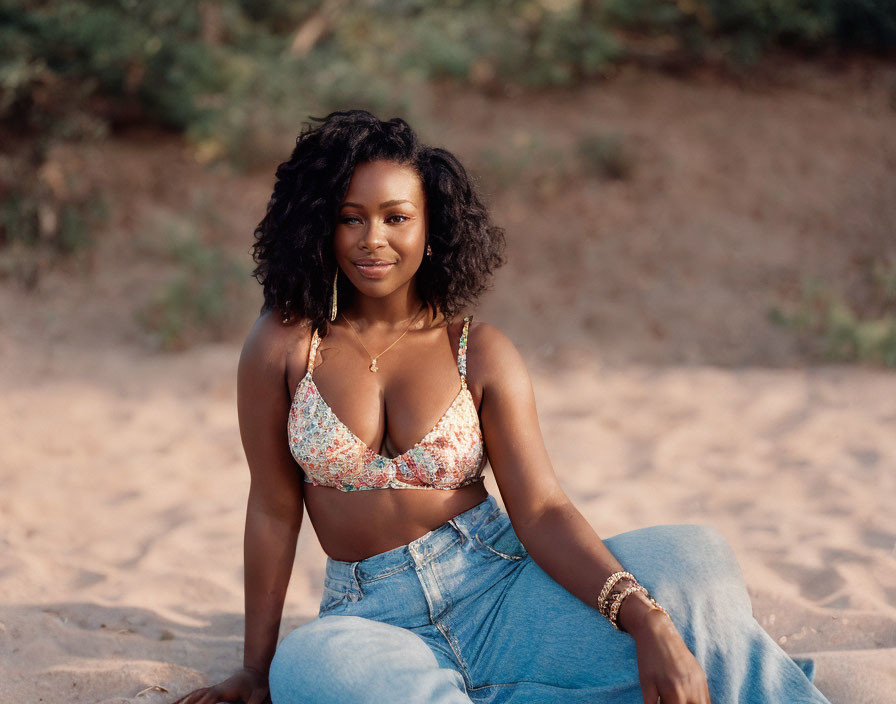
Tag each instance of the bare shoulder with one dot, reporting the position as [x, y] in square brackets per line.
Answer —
[492, 356]
[270, 342]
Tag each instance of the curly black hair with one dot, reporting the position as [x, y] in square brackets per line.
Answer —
[293, 250]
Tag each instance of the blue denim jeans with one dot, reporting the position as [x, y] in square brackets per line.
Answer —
[464, 614]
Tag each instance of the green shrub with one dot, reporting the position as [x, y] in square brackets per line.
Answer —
[527, 161]
[144, 59]
[220, 70]
[742, 30]
[203, 294]
[835, 331]
[39, 227]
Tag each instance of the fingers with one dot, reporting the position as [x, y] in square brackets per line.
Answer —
[236, 688]
[258, 696]
[192, 697]
[212, 696]
[702, 686]
[674, 695]
[650, 693]
[208, 697]
[681, 693]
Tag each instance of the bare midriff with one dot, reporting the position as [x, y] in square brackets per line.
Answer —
[354, 525]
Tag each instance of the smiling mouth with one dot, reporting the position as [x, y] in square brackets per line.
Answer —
[374, 271]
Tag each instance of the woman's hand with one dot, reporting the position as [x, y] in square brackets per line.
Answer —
[666, 668]
[248, 686]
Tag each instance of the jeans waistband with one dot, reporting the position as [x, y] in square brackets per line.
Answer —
[417, 552]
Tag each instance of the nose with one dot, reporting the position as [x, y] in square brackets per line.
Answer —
[373, 237]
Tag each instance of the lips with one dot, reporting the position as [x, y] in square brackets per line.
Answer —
[373, 268]
[367, 261]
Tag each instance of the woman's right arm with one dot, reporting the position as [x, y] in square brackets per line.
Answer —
[274, 509]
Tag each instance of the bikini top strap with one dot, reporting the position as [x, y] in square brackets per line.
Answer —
[312, 354]
[462, 351]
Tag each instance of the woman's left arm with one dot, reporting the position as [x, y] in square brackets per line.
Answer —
[553, 531]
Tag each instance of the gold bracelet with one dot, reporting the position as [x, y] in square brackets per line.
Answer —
[617, 603]
[654, 605]
[608, 585]
[620, 587]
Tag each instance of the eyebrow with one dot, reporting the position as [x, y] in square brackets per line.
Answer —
[386, 204]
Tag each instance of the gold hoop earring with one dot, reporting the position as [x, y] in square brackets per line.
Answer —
[333, 304]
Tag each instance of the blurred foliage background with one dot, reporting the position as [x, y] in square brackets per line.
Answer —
[229, 79]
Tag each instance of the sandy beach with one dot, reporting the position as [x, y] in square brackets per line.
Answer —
[124, 485]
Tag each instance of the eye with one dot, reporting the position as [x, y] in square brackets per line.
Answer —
[349, 218]
[405, 217]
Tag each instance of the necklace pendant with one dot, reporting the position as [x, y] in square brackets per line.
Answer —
[372, 366]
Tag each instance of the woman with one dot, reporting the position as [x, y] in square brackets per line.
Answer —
[371, 246]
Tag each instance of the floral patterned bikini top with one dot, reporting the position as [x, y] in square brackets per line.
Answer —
[449, 456]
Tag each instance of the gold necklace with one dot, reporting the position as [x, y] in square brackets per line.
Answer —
[373, 359]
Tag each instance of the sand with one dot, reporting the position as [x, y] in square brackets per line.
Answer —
[124, 485]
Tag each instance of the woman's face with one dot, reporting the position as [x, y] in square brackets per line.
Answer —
[381, 229]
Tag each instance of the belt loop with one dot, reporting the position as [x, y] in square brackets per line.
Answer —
[461, 529]
[356, 583]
